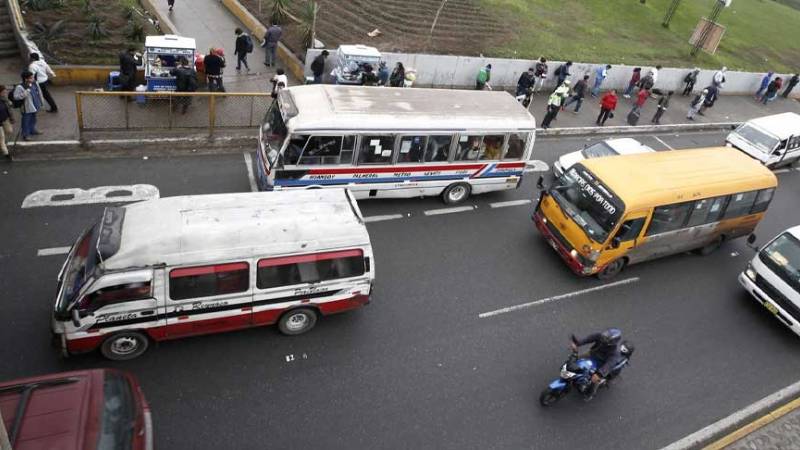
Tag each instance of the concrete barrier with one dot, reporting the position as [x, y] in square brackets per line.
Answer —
[459, 72]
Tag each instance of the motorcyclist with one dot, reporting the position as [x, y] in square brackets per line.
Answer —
[605, 351]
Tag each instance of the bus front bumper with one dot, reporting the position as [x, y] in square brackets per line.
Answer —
[770, 305]
[566, 253]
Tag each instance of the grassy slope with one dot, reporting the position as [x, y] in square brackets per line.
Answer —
[761, 34]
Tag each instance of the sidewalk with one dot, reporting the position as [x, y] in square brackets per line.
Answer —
[780, 430]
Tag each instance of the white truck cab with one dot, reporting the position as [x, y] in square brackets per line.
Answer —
[773, 140]
[609, 147]
[772, 277]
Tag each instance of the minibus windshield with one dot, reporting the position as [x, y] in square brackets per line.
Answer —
[761, 139]
[273, 131]
[598, 150]
[588, 202]
[118, 419]
[782, 256]
[78, 269]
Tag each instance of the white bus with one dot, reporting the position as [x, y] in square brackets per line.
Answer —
[393, 142]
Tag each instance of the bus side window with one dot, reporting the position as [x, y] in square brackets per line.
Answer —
[348, 145]
[630, 229]
[438, 148]
[669, 218]
[492, 146]
[294, 149]
[322, 150]
[411, 149]
[376, 149]
[707, 210]
[740, 204]
[516, 146]
[469, 148]
[762, 200]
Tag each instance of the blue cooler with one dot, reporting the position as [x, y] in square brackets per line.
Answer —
[114, 82]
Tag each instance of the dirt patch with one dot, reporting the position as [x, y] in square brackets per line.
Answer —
[72, 42]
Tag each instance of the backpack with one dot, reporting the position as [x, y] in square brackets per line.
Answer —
[14, 102]
[248, 44]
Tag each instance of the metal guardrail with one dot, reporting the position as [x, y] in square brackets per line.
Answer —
[142, 111]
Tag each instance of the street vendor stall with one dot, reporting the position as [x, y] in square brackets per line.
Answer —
[161, 55]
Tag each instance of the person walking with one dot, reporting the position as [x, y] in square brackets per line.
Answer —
[383, 74]
[712, 92]
[772, 90]
[579, 92]
[554, 103]
[696, 104]
[641, 98]
[30, 96]
[635, 77]
[244, 45]
[185, 81]
[279, 81]
[790, 85]
[600, 74]
[525, 82]
[540, 73]
[398, 75]
[368, 77]
[128, 65]
[763, 86]
[271, 39]
[690, 79]
[562, 72]
[719, 77]
[6, 121]
[483, 78]
[663, 105]
[607, 106]
[318, 66]
[214, 63]
[43, 73]
[171, 4]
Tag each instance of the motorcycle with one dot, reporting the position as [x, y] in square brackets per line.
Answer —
[577, 372]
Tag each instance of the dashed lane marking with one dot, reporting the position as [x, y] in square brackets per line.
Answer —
[456, 209]
[509, 309]
[248, 161]
[102, 194]
[510, 203]
[53, 251]
[662, 142]
[371, 219]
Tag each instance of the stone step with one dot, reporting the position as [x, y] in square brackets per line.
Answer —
[9, 45]
[7, 53]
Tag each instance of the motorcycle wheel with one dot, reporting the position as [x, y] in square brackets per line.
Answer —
[549, 397]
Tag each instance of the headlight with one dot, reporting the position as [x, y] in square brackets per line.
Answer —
[566, 374]
[573, 253]
[750, 272]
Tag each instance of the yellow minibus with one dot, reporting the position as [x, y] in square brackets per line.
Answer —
[605, 213]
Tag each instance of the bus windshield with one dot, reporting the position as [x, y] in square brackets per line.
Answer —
[77, 270]
[598, 150]
[782, 256]
[273, 131]
[588, 202]
[764, 141]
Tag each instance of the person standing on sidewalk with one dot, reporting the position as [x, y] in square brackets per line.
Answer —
[641, 98]
[318, 66]
[579, 92]
[244, 45]
[482, 80]
[562, 73]
[525, 82]
[790, 85]
[663, 105]
[271, 39]
[719, 77]
[653, 74]
[607, 106]
[185, 81]
[30, 96]
[171, 4]
[279, 81]
[554, 103]
[772, 90]
[398, 75]
[6, 119]
[128, 65]
[540, 73]
[635, 77]
[690, 79]
[696, 104]
[763, 86]
[43, 73]
[214, 63]
[712, 92]
[383, 74]
[600, 74]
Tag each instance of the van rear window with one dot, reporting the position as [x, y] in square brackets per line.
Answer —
[291, 270]
[208, 281]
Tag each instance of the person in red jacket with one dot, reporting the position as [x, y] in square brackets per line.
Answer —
[607, 104]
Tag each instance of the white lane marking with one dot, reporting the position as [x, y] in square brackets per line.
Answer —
[76, 196]
[248, 161]
[536, 166]
[662, 142]
[53, 251]
[456, 209]
[509, 203]
[781, 170]
[383, 218]
[556, 297]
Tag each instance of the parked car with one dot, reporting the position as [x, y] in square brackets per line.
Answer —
[773, 140]
[610, 147]
[350, 61]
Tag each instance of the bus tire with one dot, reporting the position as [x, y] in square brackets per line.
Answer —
[456, 193]
[124, 345]
[711, 247]
[297, 321]
[611, 269]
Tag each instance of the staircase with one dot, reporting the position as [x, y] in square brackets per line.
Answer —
[8, 43]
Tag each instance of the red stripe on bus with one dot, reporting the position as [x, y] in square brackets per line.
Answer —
[514, 165]
[476, 166]
[204, 270]
[309, 258]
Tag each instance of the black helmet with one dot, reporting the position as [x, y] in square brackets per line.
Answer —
[611, 336]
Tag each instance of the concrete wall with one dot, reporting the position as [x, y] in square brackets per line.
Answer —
[448, 71]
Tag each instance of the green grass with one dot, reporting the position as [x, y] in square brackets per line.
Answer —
[760, 34]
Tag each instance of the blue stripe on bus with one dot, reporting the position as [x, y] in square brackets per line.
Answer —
[305, 182]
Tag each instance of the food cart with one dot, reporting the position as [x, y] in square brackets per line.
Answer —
[161, 55]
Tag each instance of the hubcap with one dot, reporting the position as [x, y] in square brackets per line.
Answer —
[125, 345]
[457, 193]
[297, 322]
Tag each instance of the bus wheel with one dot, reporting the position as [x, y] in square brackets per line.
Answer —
[612, 269]
[456, 193]
[711, 247]
[124, 346]
[297, 321]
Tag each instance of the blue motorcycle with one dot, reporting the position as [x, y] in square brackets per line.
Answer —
[577, 372]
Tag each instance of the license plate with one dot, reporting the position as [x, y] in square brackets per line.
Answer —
[771, 308]
[553, 244]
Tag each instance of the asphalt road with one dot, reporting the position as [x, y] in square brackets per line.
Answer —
[418, 368]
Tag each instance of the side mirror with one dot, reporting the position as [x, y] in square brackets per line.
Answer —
[615, 242]
[540, 182]
[751, 240]
[76, 319]
[777, 152]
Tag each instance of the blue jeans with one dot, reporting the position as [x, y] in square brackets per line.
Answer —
[28, 124]
[318, 79]
[629, 90]
[596, 88]
[241, 58]
[269, 57]
[575, 99]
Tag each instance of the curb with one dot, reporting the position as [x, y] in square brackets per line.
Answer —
[737, 420]
[588, 131]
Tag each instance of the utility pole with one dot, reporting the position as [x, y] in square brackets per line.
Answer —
[712, 18]
[670, 12]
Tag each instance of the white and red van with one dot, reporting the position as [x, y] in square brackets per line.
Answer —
[183, 266]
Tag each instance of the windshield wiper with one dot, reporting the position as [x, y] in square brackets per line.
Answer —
[25, 398]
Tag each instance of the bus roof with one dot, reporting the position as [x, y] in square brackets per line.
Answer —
[783, 126]
[209, 228]
[646, 180]
[349, 108]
